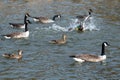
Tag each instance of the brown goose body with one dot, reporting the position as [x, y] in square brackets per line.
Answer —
[91, 57]
[20, 25]
[18, 34]
[42, 20]
[59, 41]
[15, 56]
[88, 57]
[45, 19]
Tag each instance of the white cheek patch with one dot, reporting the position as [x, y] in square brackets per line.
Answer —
[105, 44]
[59, 16]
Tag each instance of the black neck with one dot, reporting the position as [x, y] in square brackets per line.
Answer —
[25, 18]
[54, 17]
[26, 28]
[103, 49]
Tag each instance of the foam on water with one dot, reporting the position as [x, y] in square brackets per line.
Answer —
[58, 28]
[89, 25]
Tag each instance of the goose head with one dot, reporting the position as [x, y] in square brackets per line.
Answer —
[20, 52]
[90, 11]
[64, 37]
[105, 44]
[57, 16]
[27, 14]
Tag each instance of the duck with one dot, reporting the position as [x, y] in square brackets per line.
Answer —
[20, 25]
[24, 34]
[45, 19]
[85, 17]
[60, 41]
[80, 28]
[13, 56]
[90, 57]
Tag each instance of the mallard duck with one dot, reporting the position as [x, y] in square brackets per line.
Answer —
[91, 57]
[19, 34]
[20, 25]
[60, 41]
[45, 19]
[79, 28]
[15, 56]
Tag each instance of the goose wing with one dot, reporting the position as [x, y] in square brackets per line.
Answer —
[7, 55]
[16, 24]
[53, 41]
[41, 18]
[88, 57]
[81, 16]
[13, 34]
[59, 41]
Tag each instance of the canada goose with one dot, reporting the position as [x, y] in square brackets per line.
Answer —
[91, 57]
[19, 34]
[15, 56]
[84, 17]
[20, 25]
[45, 19]
[60, 41]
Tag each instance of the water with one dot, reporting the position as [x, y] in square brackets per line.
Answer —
[44, 61]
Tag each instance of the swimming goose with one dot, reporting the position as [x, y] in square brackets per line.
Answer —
[60, 41]
[84, 17]
[91, 57]
[19, 34]
[20, 25]
[45, 19]
[15, 56]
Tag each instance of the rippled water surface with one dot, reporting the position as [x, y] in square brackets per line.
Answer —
[44, 61]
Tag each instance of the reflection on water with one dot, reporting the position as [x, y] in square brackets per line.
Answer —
[44, 61]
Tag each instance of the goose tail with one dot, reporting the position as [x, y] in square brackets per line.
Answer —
[72, 56]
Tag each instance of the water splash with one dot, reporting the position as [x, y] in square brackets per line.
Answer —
[72, 25]
[58, 28]
[89, 25]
